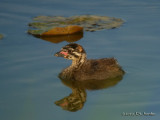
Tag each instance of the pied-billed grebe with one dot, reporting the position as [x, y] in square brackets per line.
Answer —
[83, 69]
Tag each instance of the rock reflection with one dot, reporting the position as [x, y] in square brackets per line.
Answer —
[84, 74]
[61, 38]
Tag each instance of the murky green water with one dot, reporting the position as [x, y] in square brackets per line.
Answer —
[29, 85]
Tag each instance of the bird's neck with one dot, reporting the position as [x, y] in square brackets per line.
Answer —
[77, 63]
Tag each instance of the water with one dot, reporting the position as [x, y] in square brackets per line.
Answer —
[29, 85]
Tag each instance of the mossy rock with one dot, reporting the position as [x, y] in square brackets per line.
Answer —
[90, 23]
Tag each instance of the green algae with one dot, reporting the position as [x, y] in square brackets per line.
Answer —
[88, 22]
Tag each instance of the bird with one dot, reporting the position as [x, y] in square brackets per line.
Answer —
[83, 69]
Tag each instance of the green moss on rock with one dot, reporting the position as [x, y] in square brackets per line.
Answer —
[88, 22]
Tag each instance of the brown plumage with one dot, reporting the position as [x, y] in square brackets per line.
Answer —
[83, 69]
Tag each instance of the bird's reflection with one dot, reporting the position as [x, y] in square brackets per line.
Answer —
[75, 101]
[61, 38]
[84, 74]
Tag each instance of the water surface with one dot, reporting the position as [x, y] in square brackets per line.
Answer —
[29, 85]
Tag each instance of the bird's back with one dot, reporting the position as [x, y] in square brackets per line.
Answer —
[98, 69]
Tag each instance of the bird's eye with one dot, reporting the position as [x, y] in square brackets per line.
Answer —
[70, 51]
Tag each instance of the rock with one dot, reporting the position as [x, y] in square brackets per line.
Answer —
[61, 38]
[68, 30]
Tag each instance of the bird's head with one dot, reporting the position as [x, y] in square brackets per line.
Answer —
[71, 51]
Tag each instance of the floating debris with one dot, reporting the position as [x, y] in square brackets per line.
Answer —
[58, 25]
